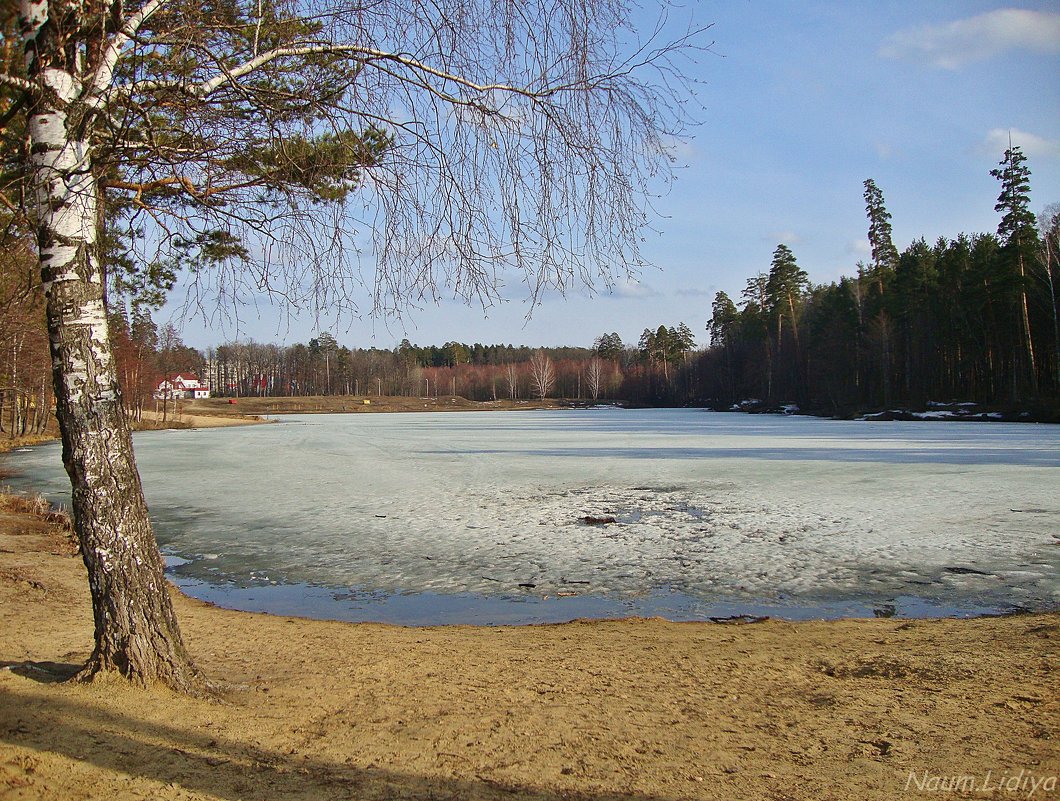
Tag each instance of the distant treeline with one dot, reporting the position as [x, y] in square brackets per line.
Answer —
[610, 370]
[972, 318]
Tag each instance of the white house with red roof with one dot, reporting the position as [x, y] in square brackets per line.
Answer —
[187, 386]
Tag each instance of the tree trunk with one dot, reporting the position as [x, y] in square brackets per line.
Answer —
[1026, 319]
[1050, 258]
[136, 631]
[42, 408]
[15, 406]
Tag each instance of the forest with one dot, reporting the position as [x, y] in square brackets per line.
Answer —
[973, 318]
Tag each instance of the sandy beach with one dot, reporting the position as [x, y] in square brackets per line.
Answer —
[192, 420]
[636, 709]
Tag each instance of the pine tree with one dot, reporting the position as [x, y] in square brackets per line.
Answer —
[724, 320]
[754, 323]
[1049, 225]
[610, 346]
[1019, 236]
[785, 285]
[1017, 220]
[880, 275]
[884, 253]
[680, 341]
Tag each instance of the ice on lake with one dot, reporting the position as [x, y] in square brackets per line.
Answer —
[453, 516]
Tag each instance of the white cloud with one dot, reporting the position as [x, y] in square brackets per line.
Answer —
[1032, 145]
[632, 289]
[954, 44]
[884, 150]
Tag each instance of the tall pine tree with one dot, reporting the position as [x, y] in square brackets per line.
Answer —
[1019, 236]
[785, 286]
[881, 273]
[884, 253]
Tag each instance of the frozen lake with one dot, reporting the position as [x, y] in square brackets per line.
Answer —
[476, 517]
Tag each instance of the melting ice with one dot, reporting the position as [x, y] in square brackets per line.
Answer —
[707, 506]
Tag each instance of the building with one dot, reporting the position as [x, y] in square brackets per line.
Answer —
[181, 386]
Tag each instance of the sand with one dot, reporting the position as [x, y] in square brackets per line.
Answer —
[183, 420]
[222, 412]
[636, 709]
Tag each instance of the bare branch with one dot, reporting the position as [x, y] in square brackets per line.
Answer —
[364, 55]
[104, 74]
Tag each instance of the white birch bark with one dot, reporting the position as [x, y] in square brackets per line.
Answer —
[136, 631]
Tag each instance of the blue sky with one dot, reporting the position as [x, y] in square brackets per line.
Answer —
[802, 101]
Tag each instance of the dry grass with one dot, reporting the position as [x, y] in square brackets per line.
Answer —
[38, 506]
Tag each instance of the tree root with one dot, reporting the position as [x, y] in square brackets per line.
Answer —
[185, 680]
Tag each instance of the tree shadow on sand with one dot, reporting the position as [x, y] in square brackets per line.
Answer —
[49, 721]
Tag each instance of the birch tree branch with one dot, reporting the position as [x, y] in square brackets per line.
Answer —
[366, 55]
[113, 52]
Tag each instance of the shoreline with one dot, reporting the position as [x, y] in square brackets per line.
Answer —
[192, 420]
[224, 412]
[266, 406]
[634, 709]
[955, 412]
[425, 609]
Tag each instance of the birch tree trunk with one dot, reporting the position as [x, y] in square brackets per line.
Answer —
[136, 631]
